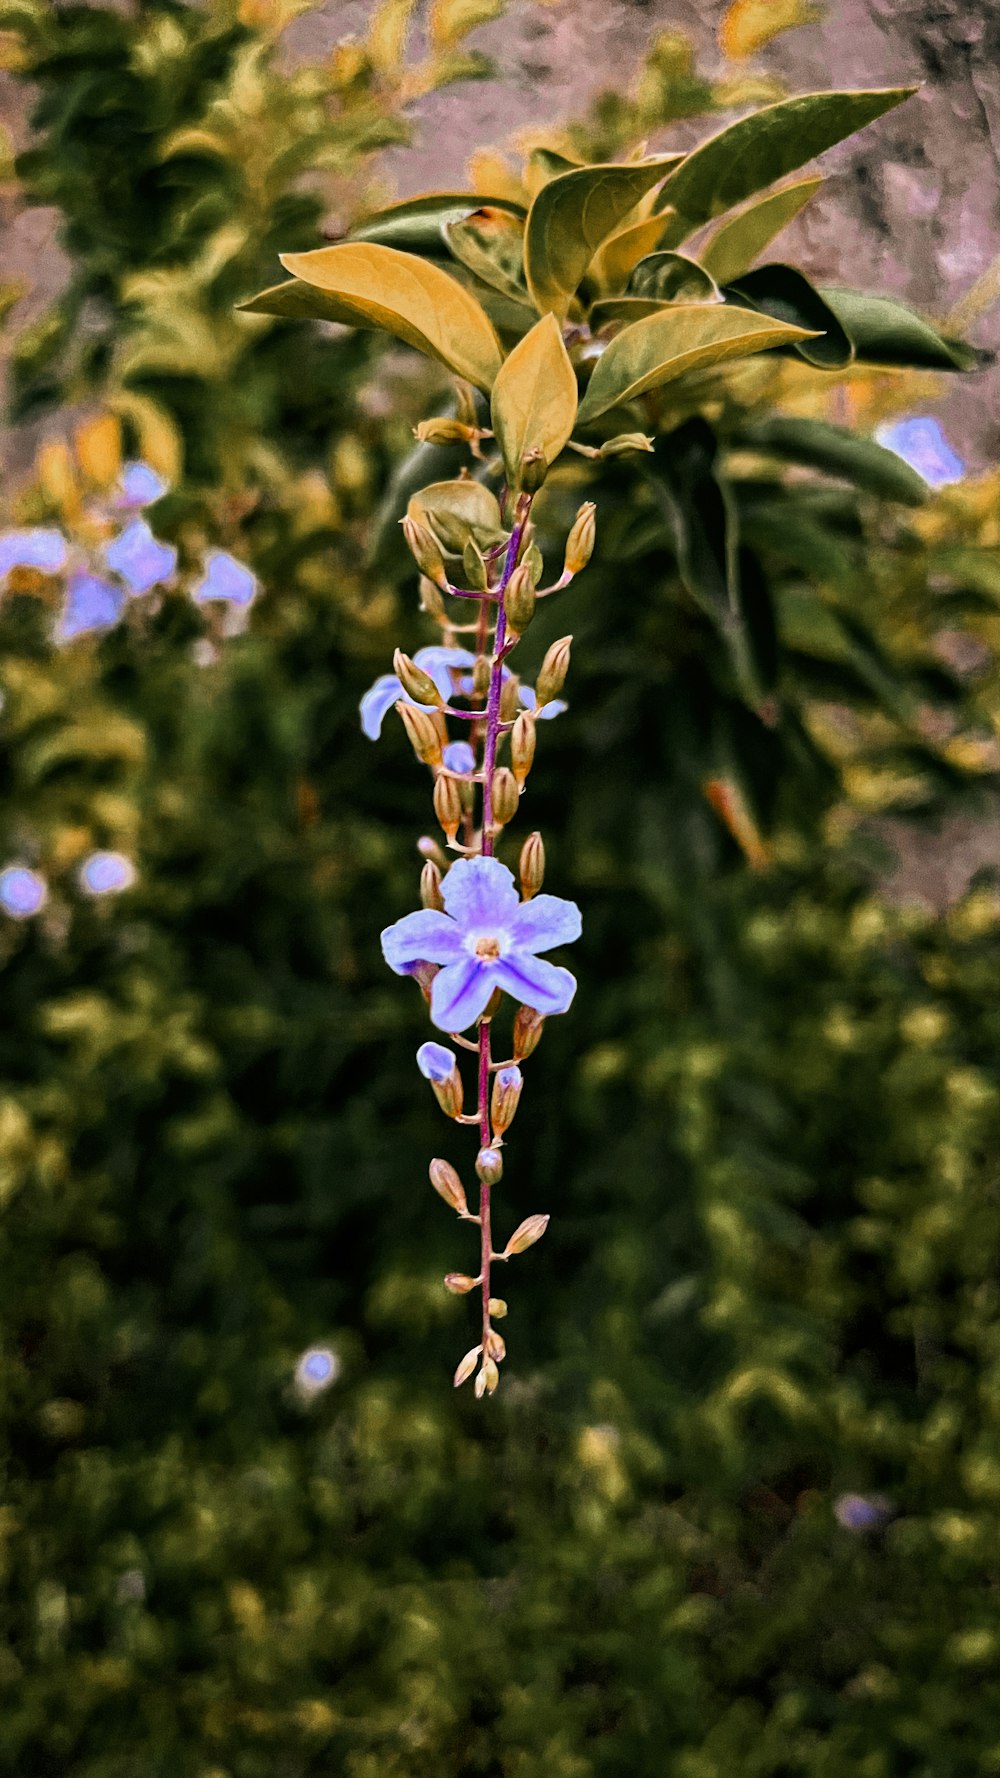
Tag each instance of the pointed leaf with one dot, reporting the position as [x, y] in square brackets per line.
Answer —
[734, 247]
[571, 217]
[682, 338]
[490, 243]
[534, 398]
[615, 261]
[748, 24]
[782, 291]
[625, 309]
[295, 301]
[837, 451]
[752, 153]
[415, 301]
[544, 164]
[884, 331]
[671, 277]
[415, 224]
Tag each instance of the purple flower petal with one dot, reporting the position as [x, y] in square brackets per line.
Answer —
[106, 873]
[460, 757]
[526, 693]
[435, 1062]
[424, 937]
[535, 983]
[22, 892]
[91, 604]
[460, 993]
[545, 921]
[377, 702]
[225, 578]
[439, 661]
[138, 486]
[46, 550]
[479, 894]
[139, 558]
[921, 441]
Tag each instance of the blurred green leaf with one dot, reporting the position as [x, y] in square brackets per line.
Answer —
[783, 292]
[838, 452]
[685, 337]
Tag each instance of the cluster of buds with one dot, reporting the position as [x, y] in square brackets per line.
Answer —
[478, 934]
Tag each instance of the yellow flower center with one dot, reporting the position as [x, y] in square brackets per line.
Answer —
[488, 949]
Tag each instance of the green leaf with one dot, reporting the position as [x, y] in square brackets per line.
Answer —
[415, 224]
[534, 398]
[783, 292]
[734, 247]
[490, 243]
[455, 511]
[671, 277]
[295, 301]
[417, 302]
[884, 331]
[681, 338]
[570, 218]
[752, 153]
[625, 309]
[839, 452]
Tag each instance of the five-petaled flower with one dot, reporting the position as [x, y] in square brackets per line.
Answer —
[486, 938]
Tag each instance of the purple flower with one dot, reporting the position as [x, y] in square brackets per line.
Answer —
[22, 892]
[138, 486]
[509, 1078]
[46, 550]
[227, 579]
[91, 604]
[921, 441]
[139, 558]
[857, 1512]
[317, 1369]
[486, 939]
[106, 873]
[438, 661]
[435, 1062]
[547, 711]
[460, 757]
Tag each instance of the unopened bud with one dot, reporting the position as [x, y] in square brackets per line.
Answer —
[624, 442]
[504, 796]
[553, 672]
[443, 431]
[481, 675]
[580, 542]
[519, 599]
[507, 1086]
[448, 1186]
[489, 1166]
[534, 469]
[487, 1380]
[459, 1283]
[474, 567]
[415, 681]
[522, 747]
[498, 1308]
[429, 848]
[423, 733]
[467, 1366]
[425, 552]
[437, 1064]
[531, 558]
[430, 887]
[447, 804]
[496, 1346]
[528, 1028]
[526, 1234]
[510, 698]
[430, 598]
[532, 865]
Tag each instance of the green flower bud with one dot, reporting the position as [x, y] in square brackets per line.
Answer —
[625, 441]
[430, 887]
[423, 734]
[553, 672]
[448, 1186]
[532, 865]
[474, 567]
[526, 1234]
[528, 1028]
[418, 684]
[580, 542]
[519, 599]
[489, 1166]
[425, 552]
[447, 804]
[522, 746]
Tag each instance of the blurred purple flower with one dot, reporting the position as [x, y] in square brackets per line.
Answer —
[921, 441]
[139, 558]
[91, 604]
[860, 1512]
[439, 662]
[45, 550]
[226, 579]
[138, 486]
[317, 1369]
[486, 939]
[22, 892]
[106, 873]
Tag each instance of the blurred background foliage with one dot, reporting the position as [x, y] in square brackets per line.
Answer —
[736, 1507]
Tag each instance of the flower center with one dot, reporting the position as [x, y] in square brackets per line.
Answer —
[488, 949]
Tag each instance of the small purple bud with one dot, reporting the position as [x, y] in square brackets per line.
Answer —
[22, 892]
[436, 1063]
[316, 1370]
[858, 1512]
[460, 757]
[106, 873]
[507, 1084]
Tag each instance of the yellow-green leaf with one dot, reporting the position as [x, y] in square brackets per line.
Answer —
[621, 252]
[682, 338]
[734, 247]
[451, 20]
[572, 216]
[490, 243]
[748, 24]
[534, 398]
[415, 301]
[763, 147]
[457, 510]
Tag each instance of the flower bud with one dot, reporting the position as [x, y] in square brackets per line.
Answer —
[580, 542]
[425, 552]
[474, 567]
[487, 1380]
[448, 1186]
[415, 682]
[481, 675]
[528, 1028]
[459, 1283]
[489, 1166]
[496, 1346]
[519, 599]
[443, 431]
[429, 848]
[531, 558]
[522, 747]
[553, 672]
[532, 865]
[430, 598]
[422, 733]
[525, 1235]
[507, 1087]
[447, 804]
[510, 698]
[437, 1064]
[467, 1366]
[504, 796]
[430, 887]
[534, 469]
[498, 1308]
[625, 441]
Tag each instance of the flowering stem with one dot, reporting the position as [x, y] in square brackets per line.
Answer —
[486, 1241]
